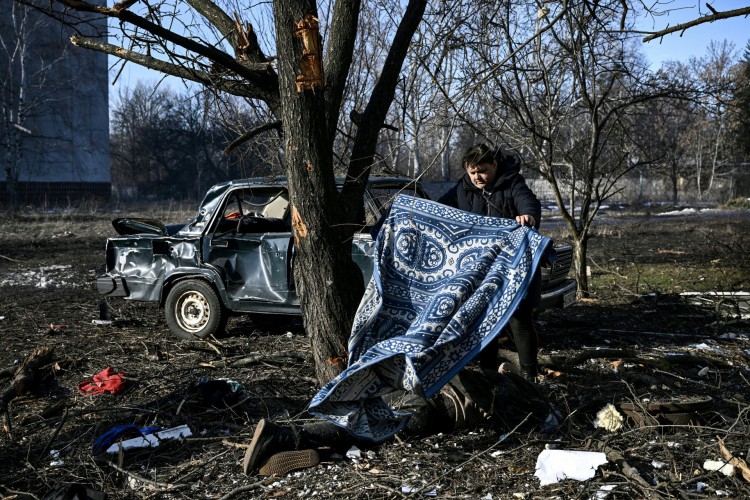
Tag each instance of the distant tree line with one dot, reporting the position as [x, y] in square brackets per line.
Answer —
[686, 124]
[170, 145]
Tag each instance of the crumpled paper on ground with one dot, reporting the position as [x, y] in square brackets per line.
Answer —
[556, 465]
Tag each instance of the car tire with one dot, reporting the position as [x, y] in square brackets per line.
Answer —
[194, 311]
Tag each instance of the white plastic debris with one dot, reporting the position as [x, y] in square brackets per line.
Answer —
[703, 371]
[56, 461]
[719, 465]
[608, 418]
[354, 453]
[705, 347]
[407, 489]
[603, 491]
[101, 322]
[151, 440]
[657, 464]
[556, 465]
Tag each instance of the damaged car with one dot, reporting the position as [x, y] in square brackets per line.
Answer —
[237, 256]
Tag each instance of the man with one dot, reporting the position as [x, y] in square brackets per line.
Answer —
[493, 186]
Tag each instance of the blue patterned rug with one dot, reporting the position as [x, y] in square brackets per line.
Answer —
[445, 284]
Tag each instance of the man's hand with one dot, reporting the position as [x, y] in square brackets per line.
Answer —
[526, 220]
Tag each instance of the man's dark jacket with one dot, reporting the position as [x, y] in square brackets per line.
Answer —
[507, 197]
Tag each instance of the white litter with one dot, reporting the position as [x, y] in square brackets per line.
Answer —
[603, 491]
[151, 440]
[608, 418]
[56, 461]
[556, 465]
[719, 465]
[101, 322]
[407, 489]
[354, 453]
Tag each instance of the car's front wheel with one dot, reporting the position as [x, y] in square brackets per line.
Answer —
[193, 310]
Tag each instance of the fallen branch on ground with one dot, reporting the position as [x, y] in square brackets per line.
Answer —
[26, 376]
[738, 463]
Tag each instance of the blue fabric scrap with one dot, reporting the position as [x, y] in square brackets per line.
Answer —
[108, 438]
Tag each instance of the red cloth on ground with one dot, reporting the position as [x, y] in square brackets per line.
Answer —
[105, 381]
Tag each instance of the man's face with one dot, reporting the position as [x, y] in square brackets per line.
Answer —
[482, 174]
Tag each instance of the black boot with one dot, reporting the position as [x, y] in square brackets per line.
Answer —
[530, 373]
[268, 440]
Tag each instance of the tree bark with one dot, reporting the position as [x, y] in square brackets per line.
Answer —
[580, 247]
[327, 280]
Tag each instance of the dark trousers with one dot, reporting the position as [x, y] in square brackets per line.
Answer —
[429, 417]
[524, 336]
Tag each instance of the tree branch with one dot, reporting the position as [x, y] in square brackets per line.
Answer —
[695, 22]
[267, 82]
[376, 110]
[230, 86]
[338, 58]
[252, 133]
[217, 17]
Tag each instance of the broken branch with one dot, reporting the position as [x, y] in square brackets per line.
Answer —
[738, 463]
[252, 133]
[695, 22]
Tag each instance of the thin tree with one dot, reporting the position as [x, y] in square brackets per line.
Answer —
[566, 103]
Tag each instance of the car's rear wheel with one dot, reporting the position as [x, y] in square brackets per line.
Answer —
[193, 310]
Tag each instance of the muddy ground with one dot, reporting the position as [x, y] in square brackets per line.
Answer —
[620, 345]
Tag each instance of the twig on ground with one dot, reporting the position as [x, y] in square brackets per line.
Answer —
[256, 358]
[227, 442]
[157, 484]
[20, 495]
[54, 435]
[243, 489]
[631, 472]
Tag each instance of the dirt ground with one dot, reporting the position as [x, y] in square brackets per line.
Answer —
[635, 340]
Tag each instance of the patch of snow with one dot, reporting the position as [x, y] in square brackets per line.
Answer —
[47, 277]
[684, 211]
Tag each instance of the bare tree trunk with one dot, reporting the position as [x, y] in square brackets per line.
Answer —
[714, 161]
[327, 306]
[445, 155]
[416, 163]
[580, 250]
[698, 159]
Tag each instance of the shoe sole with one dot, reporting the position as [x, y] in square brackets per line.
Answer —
[251, 454]
[287, 461]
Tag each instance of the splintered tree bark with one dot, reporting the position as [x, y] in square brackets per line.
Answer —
[328, 306]
[27, 374]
